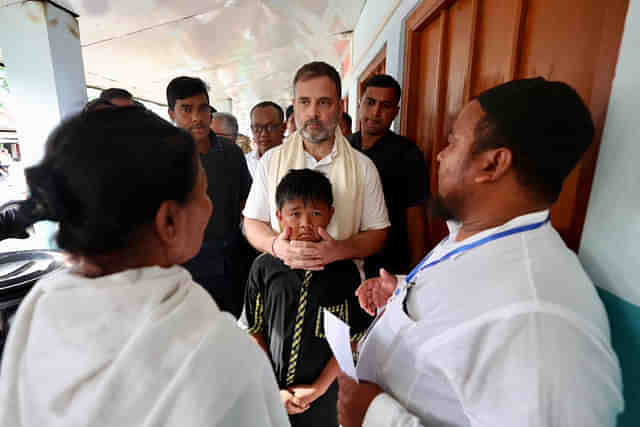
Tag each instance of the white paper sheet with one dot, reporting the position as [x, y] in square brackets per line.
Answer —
[338, 336]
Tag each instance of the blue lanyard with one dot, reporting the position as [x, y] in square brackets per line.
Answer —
[424, 265]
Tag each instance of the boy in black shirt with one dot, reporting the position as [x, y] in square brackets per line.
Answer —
[283, 307]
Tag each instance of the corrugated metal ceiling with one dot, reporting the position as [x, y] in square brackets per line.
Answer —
[247, 50]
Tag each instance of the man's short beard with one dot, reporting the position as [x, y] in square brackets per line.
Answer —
[317, 139]
[322, 136]
[438, 208]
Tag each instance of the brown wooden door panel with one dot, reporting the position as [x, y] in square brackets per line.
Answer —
[424, 127]
[458, 60]
[558, 43]
[497, 34]
[455, 49]
[424, 122]
[378, 65]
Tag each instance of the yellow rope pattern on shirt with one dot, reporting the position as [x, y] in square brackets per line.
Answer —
[258, 315]
[297, 332]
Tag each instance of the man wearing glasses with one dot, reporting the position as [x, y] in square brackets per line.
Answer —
[220, 267]
[268, 126]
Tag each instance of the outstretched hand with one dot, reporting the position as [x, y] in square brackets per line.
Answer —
[374, 293]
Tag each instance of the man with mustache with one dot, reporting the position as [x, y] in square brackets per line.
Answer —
[499, 325]
[221, 266]
[403, 173]
[359, 226]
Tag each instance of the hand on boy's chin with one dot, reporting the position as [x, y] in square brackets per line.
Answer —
[306, 255]
[306, 237]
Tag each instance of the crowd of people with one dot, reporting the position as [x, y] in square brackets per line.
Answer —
[201, 273]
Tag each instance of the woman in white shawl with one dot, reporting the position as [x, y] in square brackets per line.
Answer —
[133, 341]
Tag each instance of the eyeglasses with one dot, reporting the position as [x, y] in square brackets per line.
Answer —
[257, 129]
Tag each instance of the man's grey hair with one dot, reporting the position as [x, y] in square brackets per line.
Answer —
[230, 122]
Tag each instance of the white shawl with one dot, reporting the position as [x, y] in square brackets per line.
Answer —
[145, 347]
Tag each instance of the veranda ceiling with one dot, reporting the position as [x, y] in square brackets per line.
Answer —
[246, 50]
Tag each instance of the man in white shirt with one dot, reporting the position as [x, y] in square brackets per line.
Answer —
[360, 223]
[499, 325]
[267, 126]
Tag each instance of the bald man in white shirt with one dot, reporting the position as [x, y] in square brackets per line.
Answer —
[499, 325]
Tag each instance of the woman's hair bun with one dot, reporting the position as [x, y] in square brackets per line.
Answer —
[106, 173]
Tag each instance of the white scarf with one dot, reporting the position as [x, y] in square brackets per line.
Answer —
[144, 347]
[345, 175]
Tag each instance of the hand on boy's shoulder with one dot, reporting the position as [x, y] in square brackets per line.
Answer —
[291, 403]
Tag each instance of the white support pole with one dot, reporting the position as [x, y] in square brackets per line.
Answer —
[41, 49]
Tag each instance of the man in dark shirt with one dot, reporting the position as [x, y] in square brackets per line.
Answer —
[221, 266]
[404, 176]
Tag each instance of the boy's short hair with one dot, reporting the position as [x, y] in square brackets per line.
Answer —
[304, 184]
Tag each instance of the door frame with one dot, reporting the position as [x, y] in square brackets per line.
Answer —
[379, 61]
[607, 53]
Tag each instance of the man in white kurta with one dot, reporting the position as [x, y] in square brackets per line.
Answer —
[511, 333]
[499, 325]
[144, 347]
[359, 226]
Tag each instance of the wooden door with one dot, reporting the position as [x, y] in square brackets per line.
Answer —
[378, 65]
[455, 49]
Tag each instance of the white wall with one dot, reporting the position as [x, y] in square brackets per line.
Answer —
[369, 38]
[610, 247]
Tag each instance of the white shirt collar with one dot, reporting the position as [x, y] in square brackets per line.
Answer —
[530, 218]
[326, 159]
